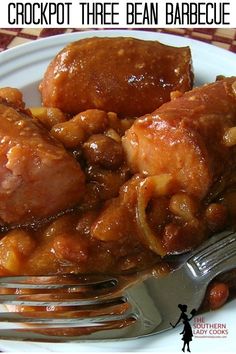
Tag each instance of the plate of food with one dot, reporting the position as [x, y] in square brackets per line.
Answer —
[117, 158]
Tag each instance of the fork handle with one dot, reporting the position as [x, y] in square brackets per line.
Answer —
[217, 255]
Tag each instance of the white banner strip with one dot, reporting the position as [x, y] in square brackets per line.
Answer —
[118, 14]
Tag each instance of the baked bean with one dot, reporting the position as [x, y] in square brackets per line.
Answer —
[103, 151]
[108, 182]
[216, 215]
[114, 122]
[21, 240]
[93, 121]
[48, 116]
[105, 229]
[60, 225]
[111, 133]
[72, 248]
[126, 123]
[75, 131]
[85, 222]
[13, 96]
[184, 206]
[14, 247]
[70, 133]
[10, 259]
[217, 295]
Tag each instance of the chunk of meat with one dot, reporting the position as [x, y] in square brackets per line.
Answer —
[38, 178]
[184, 137]
[123, 75]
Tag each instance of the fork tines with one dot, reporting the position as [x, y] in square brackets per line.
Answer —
[73, 303]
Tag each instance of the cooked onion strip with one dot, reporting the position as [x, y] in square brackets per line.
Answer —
[155, 186]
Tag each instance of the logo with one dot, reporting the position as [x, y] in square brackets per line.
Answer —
[187, 329]
[200, 327]
[206, 329]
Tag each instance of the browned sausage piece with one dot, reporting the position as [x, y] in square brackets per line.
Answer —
[124, 75]
[38, 178]
[185, 138]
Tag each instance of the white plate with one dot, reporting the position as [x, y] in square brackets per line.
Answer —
[23, 67]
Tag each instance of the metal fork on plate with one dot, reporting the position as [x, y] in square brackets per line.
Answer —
[72, 307]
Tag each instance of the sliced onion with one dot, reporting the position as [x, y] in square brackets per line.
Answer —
[154, 186]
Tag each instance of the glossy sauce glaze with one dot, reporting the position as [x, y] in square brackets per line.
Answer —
[123, 222]
[116, 74]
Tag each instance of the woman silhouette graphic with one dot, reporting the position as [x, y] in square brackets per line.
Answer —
[187, 331]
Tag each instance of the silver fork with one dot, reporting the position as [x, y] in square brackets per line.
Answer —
[110, 307]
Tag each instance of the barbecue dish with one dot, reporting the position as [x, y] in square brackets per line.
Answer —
[138, 189]
[123, 75]
[154, 186]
